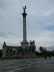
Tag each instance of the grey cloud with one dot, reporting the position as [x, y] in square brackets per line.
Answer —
[5, 35]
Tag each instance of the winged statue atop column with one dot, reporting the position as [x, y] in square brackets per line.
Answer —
[24, 9]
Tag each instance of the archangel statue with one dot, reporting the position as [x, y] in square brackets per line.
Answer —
[24, 9]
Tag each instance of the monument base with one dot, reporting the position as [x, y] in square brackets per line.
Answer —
[24, 44]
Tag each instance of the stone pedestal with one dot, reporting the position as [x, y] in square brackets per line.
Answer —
[24, 44]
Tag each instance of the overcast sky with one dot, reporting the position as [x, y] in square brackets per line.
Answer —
[40, 21]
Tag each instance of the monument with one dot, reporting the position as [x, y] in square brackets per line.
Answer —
[15, 51]
[24, 43]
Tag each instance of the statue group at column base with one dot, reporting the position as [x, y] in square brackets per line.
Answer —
[24, 44]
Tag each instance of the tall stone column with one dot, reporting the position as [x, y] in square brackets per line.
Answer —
[24, 43]
[24, 27]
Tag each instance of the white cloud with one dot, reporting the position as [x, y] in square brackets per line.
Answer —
[45, 39]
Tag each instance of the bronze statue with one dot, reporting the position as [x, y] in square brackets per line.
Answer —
[24, 9]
